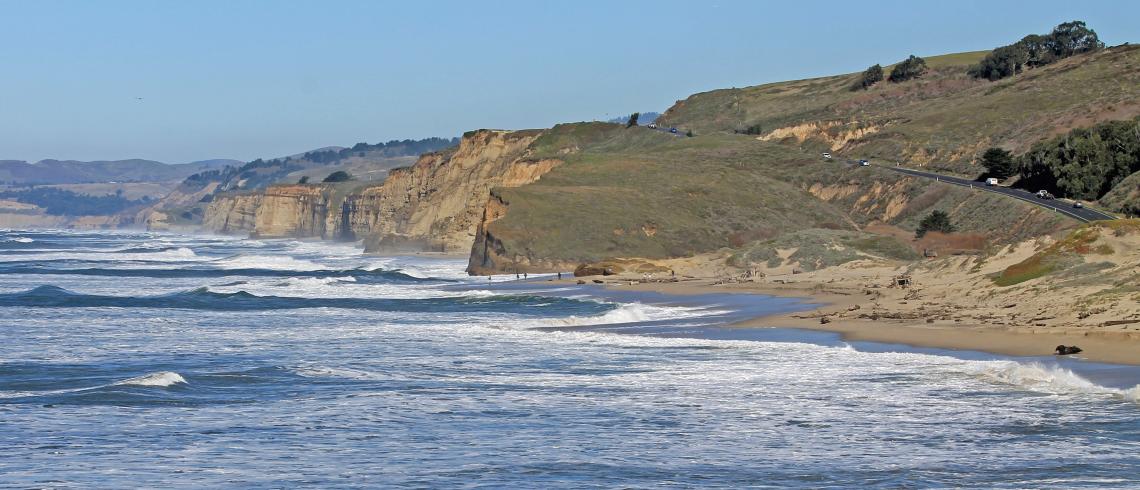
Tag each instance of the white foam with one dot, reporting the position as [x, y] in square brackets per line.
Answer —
[272, 262]
[20, 239]
[177, 253]
[637, 312]
[1050, 379]
[181, 254]
[307, 282]
[161, 378]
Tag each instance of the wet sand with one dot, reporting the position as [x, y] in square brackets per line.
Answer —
[1106, 346]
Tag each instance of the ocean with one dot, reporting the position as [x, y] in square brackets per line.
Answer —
[134, 359]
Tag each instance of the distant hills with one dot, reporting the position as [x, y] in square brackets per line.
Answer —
[47, 172]
[363, 160]
[51, 191]
[643, 119]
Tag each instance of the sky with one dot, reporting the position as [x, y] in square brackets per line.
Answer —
[244, 79]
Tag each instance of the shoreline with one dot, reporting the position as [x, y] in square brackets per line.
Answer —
[1111, 347]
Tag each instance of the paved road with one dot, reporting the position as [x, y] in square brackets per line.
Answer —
[1064, 207]
[665, 129]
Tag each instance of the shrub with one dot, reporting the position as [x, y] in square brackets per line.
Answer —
[303, 180]
[754, 129]
[870, 76]
[338, 176]
[935, 221]
[910, 68]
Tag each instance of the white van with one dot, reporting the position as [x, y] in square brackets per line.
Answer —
[991, 181]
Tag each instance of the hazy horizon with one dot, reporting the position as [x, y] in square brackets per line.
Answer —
[243, 80]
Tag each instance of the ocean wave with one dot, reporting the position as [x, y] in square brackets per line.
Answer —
[361, 275]
[165, 256]
[268, 262]
[204, 299]
[637, 313]
[161, 379]
[19, 239]
[1050, 379]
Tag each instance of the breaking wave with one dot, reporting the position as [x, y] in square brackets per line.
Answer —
[361, 275]
[204, 299]
[1050, 379]
[161, 379]
[636, 313]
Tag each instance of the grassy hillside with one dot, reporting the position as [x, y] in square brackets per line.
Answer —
[643, 193]
[944, 120]
[1125, 197]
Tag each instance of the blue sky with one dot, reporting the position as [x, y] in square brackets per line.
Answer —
[246, 79]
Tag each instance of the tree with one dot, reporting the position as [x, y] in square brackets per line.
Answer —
[912, 67]
[1073, 38]
[870, 76]
[999, 163]
[303, 180]
[1036, 50]
[338, 176]
[1086, 163]
[689, 133]
[935, 221]
[632, 120]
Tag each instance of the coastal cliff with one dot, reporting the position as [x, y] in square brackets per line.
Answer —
[744, 170]
[434, 205]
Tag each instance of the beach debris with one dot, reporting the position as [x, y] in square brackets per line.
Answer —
[824, 320]
[1064, 350]
[580, 281]
[901, 280]
[599, 281]
[1120, 322]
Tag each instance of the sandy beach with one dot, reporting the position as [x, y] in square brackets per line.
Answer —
[950, 303]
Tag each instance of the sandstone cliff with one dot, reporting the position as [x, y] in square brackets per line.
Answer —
[434, 205]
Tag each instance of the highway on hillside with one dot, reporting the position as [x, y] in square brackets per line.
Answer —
[1063, 207]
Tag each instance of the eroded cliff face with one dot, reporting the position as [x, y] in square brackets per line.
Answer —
[836, 134]
[232, 214]
[434, 205]
[437, 203]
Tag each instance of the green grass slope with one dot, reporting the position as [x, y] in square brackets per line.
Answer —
[944, 119]
[642, 193]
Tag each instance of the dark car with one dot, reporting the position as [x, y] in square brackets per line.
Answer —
[1078, 205]
[673, 130]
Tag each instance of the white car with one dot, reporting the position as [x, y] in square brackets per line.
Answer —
[652, 125]
[864, 163]
[827, 155]
[991, 181]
